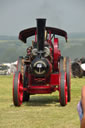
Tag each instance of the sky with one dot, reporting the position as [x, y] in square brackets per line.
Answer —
[16, 15]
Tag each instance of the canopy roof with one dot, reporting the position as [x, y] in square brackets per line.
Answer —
[24, 34]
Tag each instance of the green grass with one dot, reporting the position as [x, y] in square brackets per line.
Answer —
[42, 111]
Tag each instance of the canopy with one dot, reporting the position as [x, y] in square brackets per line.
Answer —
[24, 34]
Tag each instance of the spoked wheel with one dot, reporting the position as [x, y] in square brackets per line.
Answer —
[68, 71]
[63, 89]
[66, 67]
[26, 95]
[17, 89]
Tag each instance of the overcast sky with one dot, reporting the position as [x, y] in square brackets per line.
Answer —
[16, 15]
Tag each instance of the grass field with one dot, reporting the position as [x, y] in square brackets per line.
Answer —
[42, 111]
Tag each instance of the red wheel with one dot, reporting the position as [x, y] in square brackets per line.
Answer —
[63, 89]
[68, 71]
[17, 89]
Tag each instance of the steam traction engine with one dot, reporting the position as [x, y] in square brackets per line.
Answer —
[43, 70]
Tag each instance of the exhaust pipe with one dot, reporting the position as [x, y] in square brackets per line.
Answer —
[40, 34]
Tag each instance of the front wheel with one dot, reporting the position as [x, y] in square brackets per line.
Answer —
[63, 89]
[17, 89]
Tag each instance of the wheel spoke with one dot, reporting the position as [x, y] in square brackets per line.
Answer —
[21, 88]
[66, 96]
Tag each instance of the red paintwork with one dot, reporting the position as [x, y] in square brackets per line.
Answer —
[54, 79]
[46, 86]
[40, 89]
[57, 54]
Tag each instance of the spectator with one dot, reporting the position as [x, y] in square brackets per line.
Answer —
[81, 108]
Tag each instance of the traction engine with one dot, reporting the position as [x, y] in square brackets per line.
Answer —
[43, 70]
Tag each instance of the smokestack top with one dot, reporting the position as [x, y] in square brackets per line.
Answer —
[41, 19]
[41, 23]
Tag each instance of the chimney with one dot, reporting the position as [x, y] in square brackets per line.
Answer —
[40, 34]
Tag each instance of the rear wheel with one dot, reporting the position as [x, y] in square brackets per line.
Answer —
[63, 89]
[17, 89]
[68, 71]
[66, 67]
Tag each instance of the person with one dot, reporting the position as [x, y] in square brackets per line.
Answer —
[81, 108]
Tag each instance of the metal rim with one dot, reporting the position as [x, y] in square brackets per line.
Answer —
[17, 89]
[19, 63]
[68, 70]
[63, 89]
